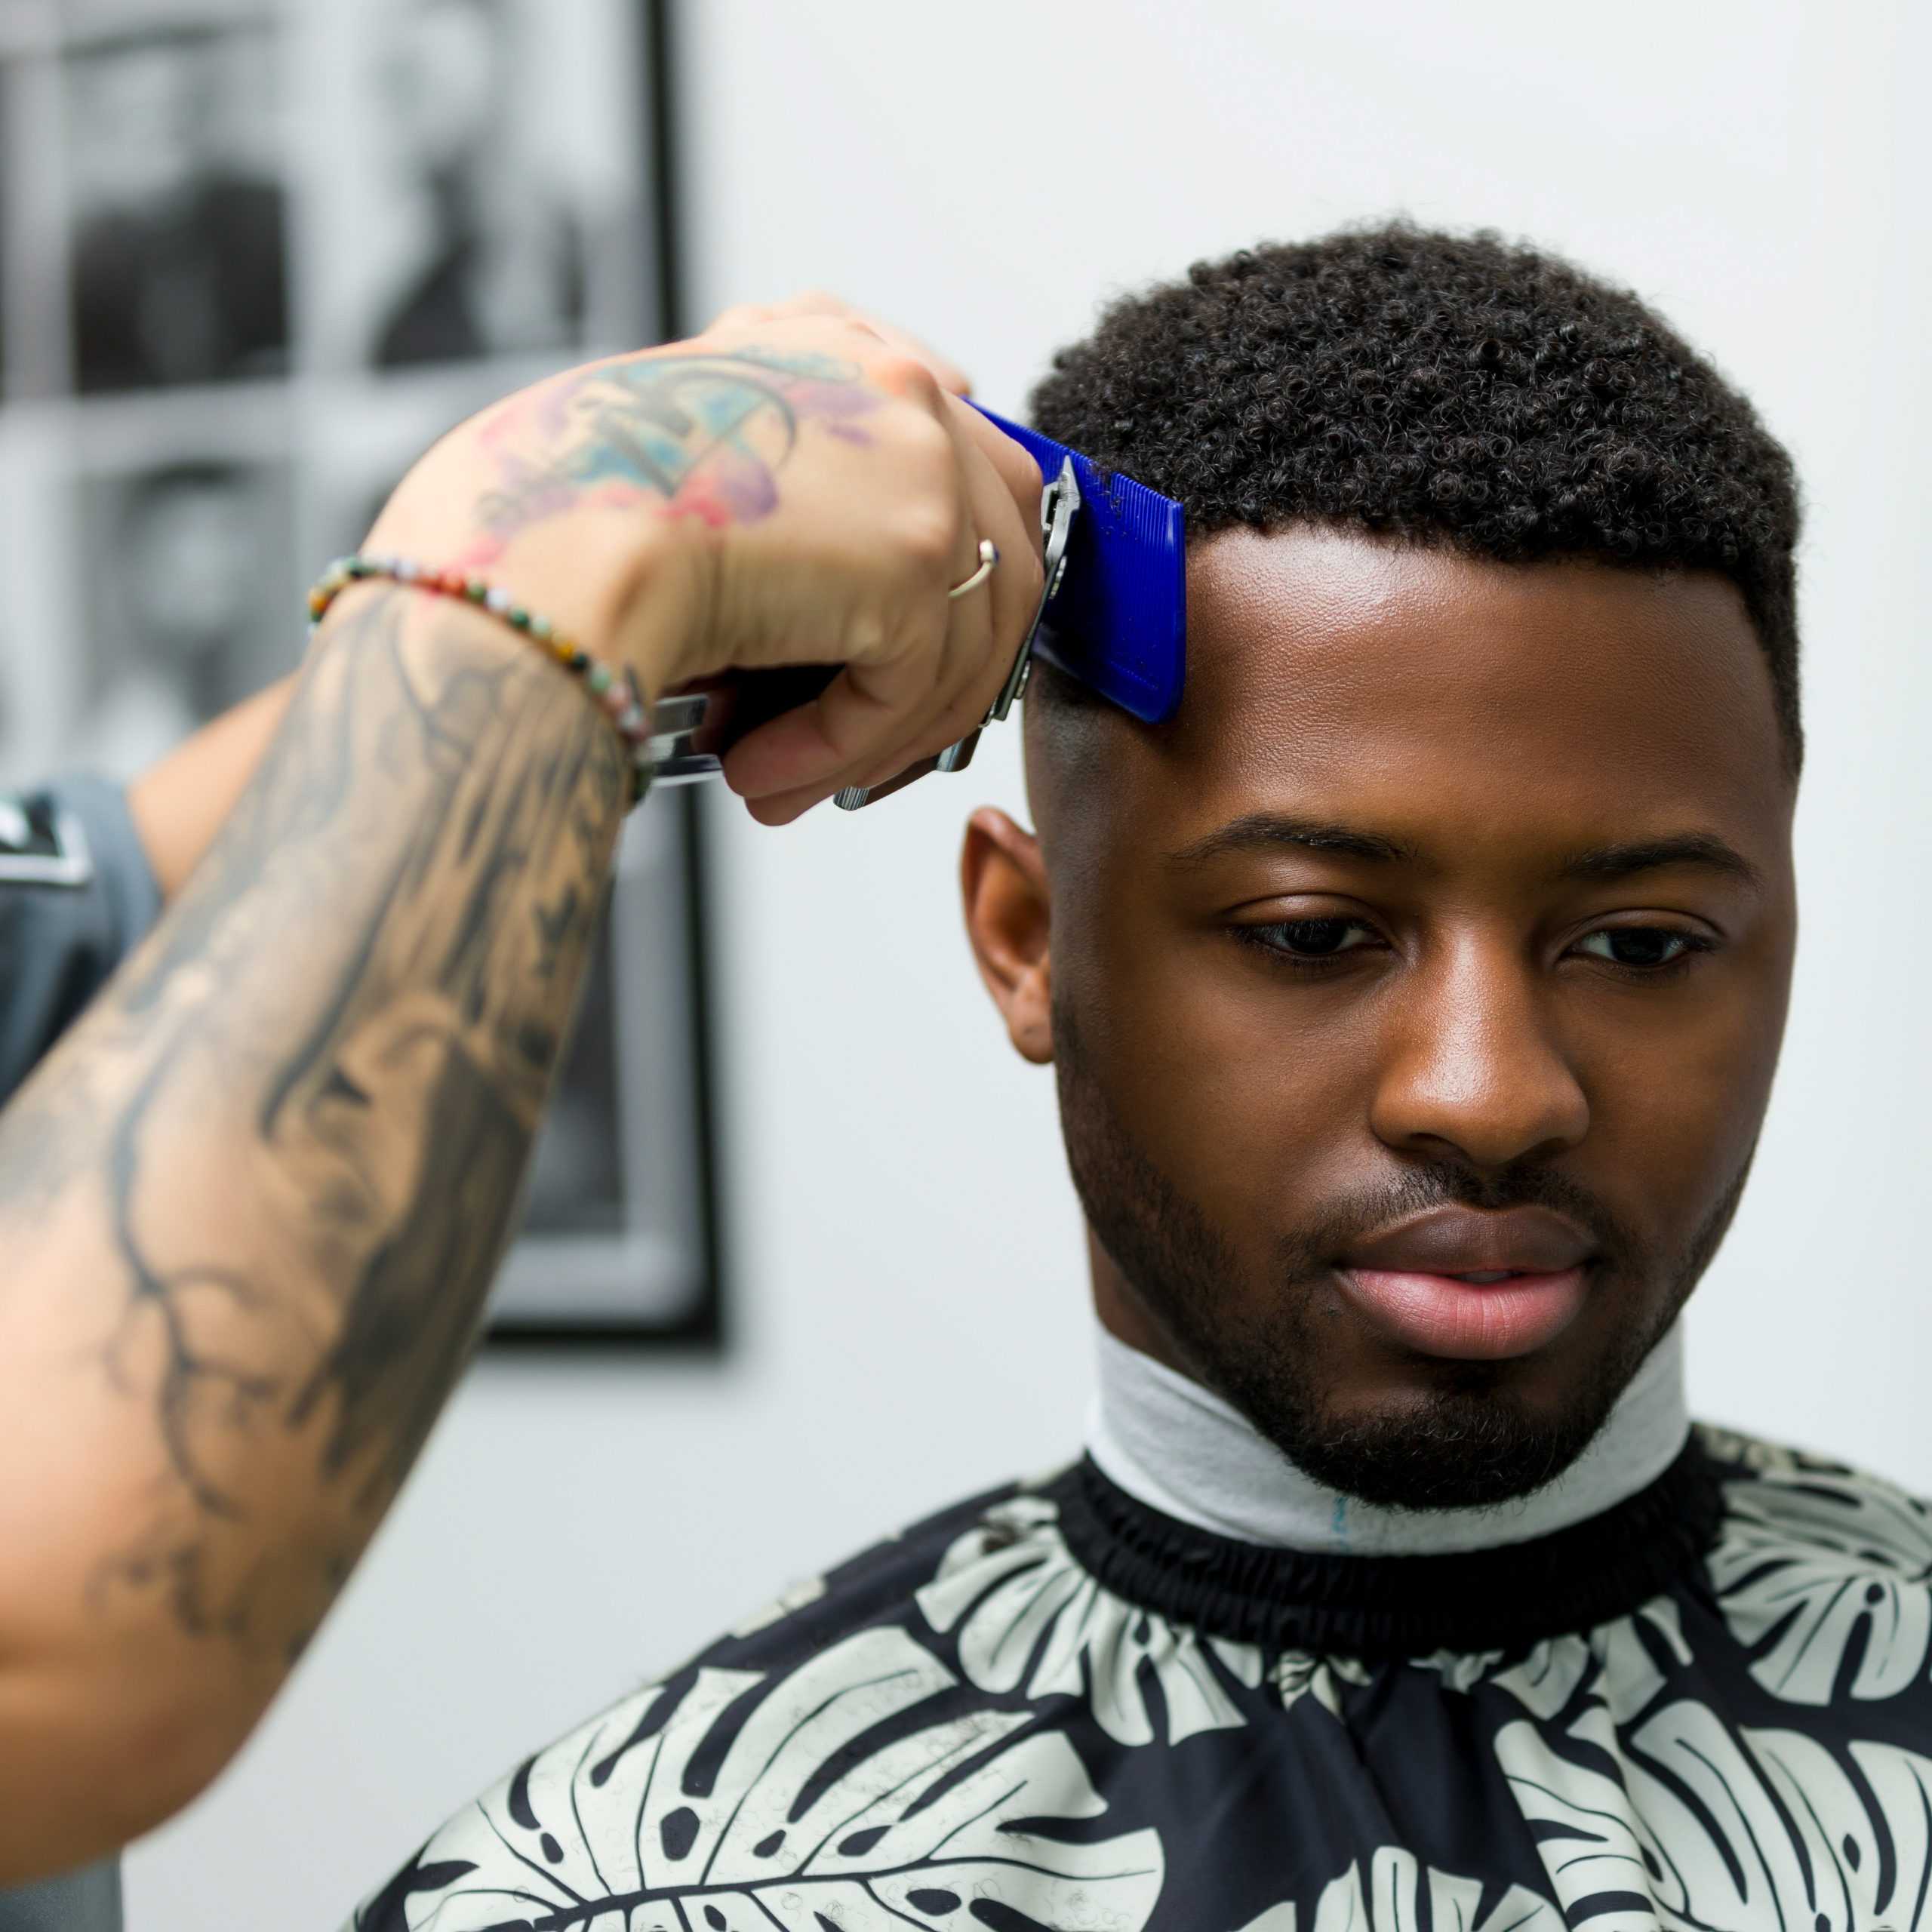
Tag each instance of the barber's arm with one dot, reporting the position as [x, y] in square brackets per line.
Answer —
[179, 805]
[250, 1204]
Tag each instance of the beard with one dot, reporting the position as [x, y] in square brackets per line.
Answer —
[1467, 1442]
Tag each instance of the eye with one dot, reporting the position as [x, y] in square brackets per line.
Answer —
[1642, 947]
[1314, 938]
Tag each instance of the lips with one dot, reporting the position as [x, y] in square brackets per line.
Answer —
[1472, 1285]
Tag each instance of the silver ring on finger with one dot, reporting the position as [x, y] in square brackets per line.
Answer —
[988, 559]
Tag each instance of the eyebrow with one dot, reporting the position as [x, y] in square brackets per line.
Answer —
[1265, 832]
[1688, 848]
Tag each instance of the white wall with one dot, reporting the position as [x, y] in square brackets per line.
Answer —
[910, 1313]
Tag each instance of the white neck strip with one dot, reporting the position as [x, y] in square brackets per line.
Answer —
[1179, 1449]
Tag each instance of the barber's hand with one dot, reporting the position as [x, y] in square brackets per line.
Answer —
[948, 375]
[784, 489]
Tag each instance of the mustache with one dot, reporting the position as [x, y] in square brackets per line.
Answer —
[1315, 1243]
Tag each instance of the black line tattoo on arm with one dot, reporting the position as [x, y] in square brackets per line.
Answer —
[305, 1107]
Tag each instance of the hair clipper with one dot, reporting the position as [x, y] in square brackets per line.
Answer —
[1113, 614]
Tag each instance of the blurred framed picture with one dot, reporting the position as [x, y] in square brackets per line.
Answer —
[187, 603]
[617, 1228]
[255, 256]
[177, 209]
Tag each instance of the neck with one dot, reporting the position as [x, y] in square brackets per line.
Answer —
[1179, 1449]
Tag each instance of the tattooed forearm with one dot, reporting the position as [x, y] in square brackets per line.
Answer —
[307, 1104]
[703, 435]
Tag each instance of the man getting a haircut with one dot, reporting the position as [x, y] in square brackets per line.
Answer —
[1414, 997]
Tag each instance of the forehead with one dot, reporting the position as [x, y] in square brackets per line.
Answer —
[1462, 697]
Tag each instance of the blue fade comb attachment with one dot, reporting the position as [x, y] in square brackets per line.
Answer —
[1112, 613]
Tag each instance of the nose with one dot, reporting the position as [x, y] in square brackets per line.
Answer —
[1472, 1066]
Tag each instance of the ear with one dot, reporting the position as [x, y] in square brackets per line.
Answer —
[1008, 920]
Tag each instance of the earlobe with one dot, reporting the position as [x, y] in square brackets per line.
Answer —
[1004, 879]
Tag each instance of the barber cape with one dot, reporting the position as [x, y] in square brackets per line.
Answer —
[1178, 1686]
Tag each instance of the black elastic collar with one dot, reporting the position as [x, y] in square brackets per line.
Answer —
[1504, 1599]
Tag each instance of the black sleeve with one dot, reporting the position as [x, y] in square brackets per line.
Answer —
[76, 896]
[87, 1901]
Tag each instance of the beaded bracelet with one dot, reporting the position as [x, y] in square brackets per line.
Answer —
[614, 694]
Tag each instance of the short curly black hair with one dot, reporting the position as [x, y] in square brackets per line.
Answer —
[1451, 390]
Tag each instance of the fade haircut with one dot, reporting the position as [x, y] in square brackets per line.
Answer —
[1453, 391]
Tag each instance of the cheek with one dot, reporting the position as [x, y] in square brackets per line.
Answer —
[1674, 1111]
[1252, 1104]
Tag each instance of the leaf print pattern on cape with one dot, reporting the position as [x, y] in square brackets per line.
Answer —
[1028, 1617]
[802, 1802]
[1688, 1823]
[1821, 1571]
[964, 1729]
[1622, 1665]
[1400, 1889]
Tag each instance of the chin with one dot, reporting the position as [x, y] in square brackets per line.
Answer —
[1467, 1448]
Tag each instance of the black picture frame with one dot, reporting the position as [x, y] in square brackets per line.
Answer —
[176, 239]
